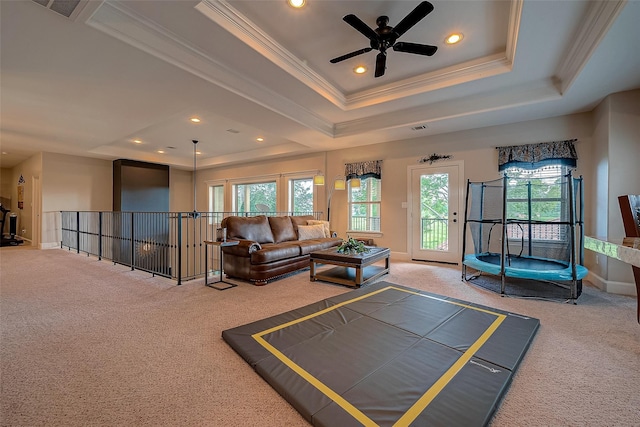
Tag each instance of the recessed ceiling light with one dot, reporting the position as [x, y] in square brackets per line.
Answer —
[296, 3]
[360, 69]
[161, 151]
[454, 38]
[195, 119]
[260, 139]
[137, 141]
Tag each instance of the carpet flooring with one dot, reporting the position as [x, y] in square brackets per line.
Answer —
[88, 343]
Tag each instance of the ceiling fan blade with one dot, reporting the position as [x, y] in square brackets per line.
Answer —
[350, 55]
[420, 49]
[422, 10]
[381, 64]
[363, 28]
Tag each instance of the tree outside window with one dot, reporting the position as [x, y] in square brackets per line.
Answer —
[247, 197]
[301, 195]
[547, 200]
[364, 205]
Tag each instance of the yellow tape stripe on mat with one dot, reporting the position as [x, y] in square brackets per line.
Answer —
[421, 403]
[426, 398]
[344, 404]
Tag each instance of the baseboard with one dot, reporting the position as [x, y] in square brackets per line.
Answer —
[50, 245]
[610, 286]
[400, 256]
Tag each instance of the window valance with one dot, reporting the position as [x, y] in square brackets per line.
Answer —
[362, 170]
[534, 156]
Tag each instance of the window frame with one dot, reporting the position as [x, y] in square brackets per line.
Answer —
[370, 203]
[288, 194]
[253, 181]
[538, 173]
[211, 185]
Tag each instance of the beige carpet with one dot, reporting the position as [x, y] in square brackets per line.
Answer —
[85, 342]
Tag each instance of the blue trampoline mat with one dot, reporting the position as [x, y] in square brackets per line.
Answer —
[525, 267]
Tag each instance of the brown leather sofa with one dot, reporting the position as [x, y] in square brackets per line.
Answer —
[270, 247]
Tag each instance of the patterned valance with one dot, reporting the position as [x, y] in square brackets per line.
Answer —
[534, 156]
[362, 170]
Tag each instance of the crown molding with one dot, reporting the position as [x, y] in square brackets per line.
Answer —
[513, 30]
[599, 18]
[507, 98]
[241, 27]
[460, 73]
[119, 21]
[223, 14]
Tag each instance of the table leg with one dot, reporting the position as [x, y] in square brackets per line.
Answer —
[312, 271]
[358, 276]
[206, 266]
[229, 285]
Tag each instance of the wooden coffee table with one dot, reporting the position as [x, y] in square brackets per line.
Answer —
[352, 269]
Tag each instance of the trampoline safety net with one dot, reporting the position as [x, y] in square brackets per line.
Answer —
[540, 221]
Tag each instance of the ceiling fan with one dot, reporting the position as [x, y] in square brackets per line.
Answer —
[384, 37]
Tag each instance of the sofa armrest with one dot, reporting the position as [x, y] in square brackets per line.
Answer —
[244, 248]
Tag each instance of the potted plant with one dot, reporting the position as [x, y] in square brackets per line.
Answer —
[352, 246]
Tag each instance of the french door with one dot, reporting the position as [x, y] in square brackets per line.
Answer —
[435, 216]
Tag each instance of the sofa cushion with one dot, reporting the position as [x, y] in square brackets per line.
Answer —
[282, 229]
[308, 232]
[300, 220]
[254, 228]
[327, 231]
[275, 252]
[308, 246]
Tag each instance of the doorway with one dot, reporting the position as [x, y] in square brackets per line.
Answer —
[36, 210]
[434, 216]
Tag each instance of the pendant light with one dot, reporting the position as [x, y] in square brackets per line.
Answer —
[195, 213]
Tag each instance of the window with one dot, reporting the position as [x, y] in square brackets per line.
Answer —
[300, 195]
[549, 203]
[364, 205]
[216, 203]
[255, 197]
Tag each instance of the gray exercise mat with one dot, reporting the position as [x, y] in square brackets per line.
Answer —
[388, 355]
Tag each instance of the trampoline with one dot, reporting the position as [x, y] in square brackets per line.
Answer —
[525, 267]
[388, 355]
[511, 238]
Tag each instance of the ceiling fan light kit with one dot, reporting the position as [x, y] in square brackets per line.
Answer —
[385, 37]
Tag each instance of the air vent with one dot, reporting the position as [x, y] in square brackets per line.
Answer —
[233, 131]
[420, 127]
[63, 7]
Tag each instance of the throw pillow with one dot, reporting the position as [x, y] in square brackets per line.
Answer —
[325, 224]
[307, 232]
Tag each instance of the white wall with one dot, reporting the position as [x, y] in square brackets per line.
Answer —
[181, 190]
[72, 183]
[624, 172]
[476, 148]
[608, 144]
[278, 167]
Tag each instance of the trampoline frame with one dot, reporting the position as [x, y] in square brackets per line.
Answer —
[574, 271]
